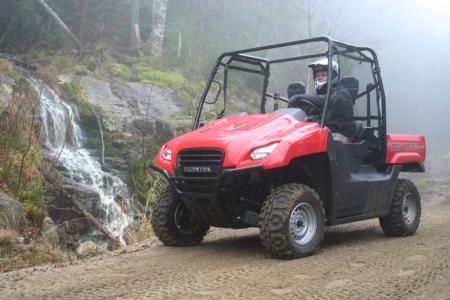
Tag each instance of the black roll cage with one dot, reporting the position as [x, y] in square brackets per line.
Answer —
[365, 54]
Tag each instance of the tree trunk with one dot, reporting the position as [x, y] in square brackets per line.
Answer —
[84, 10]
[180, 43]
[61, 23]
[135, 31]
[158, 25]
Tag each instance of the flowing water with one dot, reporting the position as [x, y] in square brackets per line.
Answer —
[64, 140]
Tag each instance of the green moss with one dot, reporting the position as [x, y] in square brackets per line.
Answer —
[122, 72]
[146, 74]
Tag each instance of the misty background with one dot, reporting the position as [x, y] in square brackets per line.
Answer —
[411, 38]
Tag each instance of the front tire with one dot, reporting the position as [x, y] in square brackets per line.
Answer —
[404, 216]
[172, 222]
[292, 221]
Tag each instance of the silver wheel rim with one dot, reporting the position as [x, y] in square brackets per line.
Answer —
[303, 223]
[409, 208]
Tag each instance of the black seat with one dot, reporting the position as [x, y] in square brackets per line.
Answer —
[352, 85]
[358, 129]
[295, 88]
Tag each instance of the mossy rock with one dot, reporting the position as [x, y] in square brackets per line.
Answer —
[11, 215]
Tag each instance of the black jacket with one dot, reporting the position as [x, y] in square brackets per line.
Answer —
[339, 113]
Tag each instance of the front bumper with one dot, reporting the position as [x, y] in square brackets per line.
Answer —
[216, 182]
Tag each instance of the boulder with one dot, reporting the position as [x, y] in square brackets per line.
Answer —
[89, 249]
[11, 213]
[50, 232]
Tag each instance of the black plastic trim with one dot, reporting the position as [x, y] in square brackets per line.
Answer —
[214, 180]
[413, 167]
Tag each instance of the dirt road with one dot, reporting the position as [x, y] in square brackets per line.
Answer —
[356, 261]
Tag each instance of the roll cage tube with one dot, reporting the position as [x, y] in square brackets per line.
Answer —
[264, 64]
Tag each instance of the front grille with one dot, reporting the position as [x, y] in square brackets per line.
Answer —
[200, 162]
[199, 169]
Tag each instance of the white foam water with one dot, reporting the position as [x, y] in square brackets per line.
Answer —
[64, 140]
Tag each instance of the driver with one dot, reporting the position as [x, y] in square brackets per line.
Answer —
[339, 117]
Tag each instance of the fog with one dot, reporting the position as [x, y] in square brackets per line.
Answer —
[411, 39]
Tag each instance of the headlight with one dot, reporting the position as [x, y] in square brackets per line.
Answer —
[263, 152]
[167, 154]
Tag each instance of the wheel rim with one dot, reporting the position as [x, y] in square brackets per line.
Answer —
[409, 208]
[183, 220]
[303, 223]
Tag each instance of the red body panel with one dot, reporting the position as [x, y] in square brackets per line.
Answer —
[405, 149]
[239, 136]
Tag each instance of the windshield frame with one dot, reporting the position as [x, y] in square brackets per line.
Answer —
[334, 47]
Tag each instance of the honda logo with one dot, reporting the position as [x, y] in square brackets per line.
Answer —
[197, 170]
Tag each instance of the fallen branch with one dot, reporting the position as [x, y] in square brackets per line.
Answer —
[80, 207]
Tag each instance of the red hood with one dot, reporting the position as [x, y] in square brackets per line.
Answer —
[239, 136]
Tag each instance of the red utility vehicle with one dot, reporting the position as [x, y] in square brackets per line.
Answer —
[279, 170]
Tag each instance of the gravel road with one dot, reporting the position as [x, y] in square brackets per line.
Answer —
[356, 261]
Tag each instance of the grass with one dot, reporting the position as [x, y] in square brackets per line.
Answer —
[145, 73]
[7, 69]
[121, 71]
[37, 254]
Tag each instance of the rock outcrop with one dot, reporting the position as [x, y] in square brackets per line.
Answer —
[11, 213]
[130, 106]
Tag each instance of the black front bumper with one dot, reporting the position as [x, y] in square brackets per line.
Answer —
[178, 182]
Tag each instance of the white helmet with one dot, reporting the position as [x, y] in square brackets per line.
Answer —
[322, 64]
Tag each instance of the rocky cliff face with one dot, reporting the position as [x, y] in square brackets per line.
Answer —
[129, 106]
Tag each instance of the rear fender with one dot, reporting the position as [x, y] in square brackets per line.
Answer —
[406, 150]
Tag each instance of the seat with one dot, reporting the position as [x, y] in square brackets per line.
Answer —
[352, 85]
[358, 129]
[295, 88]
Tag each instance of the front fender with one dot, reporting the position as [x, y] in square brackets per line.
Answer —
[297, 144]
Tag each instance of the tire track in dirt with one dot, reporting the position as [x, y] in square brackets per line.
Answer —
[356, 261]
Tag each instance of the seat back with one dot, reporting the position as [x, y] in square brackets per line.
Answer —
[352, 85]
[295, 88]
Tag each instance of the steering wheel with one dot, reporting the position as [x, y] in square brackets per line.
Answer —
[305, 99]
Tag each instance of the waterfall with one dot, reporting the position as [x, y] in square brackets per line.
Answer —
[64, 140]
[102, 140]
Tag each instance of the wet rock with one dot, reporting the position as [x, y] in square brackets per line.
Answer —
[11, 212]
[89, 249]
[87, 197]
[119, 143]
[63, 211]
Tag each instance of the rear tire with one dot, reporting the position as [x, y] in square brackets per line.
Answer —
[292, 221]
[404, 216]
[172, 222]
